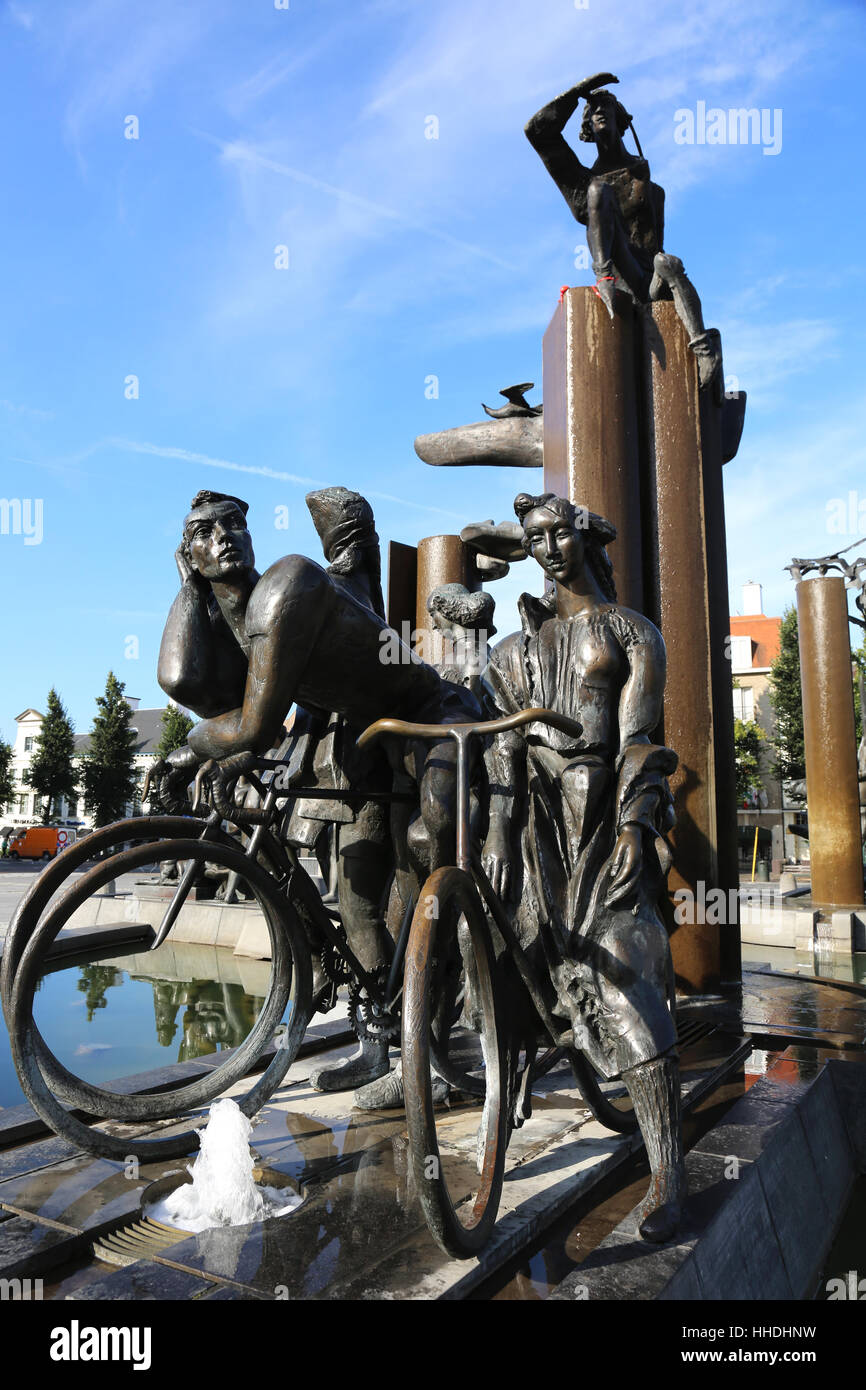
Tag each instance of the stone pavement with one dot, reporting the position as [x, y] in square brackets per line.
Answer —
[360, 1232]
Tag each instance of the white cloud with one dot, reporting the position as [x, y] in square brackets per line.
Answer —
[763, 354]
[23, 18]
[238, 152]
[106, 59]
[31, 412]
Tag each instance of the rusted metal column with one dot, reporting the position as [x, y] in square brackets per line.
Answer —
[686, 592]
[591, 423]
[441, 560]
[831, 752]
[721, 685]
[402, 588]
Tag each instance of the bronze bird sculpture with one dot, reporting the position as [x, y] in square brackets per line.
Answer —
[517, 403]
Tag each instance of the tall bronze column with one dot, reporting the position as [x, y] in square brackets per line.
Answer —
[441, 560]
[831, 751]
[591, 423]
[686, 588]
[628, 432]
[402, 588]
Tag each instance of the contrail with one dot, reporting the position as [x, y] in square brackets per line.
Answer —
[187, 456]
[239, 152]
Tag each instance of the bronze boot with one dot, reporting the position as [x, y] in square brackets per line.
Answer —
[364, 1066]
[387, 1093]
[655, 1091]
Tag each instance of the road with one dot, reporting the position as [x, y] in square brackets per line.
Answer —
[17, 876]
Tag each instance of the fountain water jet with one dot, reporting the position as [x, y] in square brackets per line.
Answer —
[223, 1191]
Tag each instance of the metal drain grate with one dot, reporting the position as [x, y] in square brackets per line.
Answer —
[691, 1031]
[140, 1240]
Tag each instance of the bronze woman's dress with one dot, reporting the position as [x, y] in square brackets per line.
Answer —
[609, 967]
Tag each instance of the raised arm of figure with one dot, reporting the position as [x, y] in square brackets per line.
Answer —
[286, 614]
[544, 133]
[187, 661]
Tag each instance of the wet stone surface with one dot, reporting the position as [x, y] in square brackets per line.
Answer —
[83, 1193]
[30, 1248]
[346, 1224]
[748, 1128]
[144, 1282]
[360, 1232]
[29, 1156]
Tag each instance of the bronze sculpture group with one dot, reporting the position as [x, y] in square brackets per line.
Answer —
[572, 827]
[521, 780]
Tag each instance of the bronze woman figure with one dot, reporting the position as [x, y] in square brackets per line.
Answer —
[575, 841]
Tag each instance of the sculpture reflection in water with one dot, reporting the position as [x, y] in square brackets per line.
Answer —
[576, 839]
[216, 1014]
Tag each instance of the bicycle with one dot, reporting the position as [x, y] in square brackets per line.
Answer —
[462, 892]
[424, 974]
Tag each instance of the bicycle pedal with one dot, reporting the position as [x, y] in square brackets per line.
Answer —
[326, 1001]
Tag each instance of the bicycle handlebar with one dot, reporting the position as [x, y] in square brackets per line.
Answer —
[487, 726]
[242, 815]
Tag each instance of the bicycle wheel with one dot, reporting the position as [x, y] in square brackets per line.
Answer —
[45, 885]
[99, 843]
[458, 1164]
[47, 1082]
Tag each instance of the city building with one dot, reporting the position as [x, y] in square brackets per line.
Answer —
[754, 643]
[26, 805]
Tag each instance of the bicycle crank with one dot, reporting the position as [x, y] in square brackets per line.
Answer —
[368, 1016]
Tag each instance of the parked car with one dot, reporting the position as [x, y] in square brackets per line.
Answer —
[39, 842]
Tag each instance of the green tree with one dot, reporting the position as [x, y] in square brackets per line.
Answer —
[52, 773]
[108, 769]
[748, 737]
[786, 697]
[94, 981]
[7, 776]
[176, 724]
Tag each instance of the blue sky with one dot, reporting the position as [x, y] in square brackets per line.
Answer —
[409, 257]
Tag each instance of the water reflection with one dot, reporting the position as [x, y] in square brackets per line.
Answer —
[94, 981]
[215, 1014]
[136, 1012]
[848, 967]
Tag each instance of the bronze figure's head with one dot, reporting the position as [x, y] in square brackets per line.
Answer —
[604, 118]
[347, 529]
[215, 537]
[564, 538]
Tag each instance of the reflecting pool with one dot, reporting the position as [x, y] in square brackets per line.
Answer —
[138, 1012]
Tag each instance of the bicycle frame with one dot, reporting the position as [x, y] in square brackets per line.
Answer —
[309, 908]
